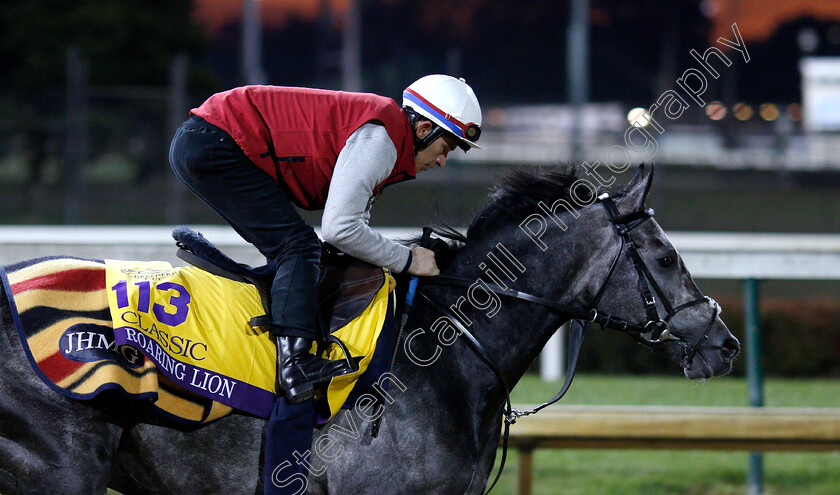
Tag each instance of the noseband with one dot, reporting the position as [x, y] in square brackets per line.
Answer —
[654, 331]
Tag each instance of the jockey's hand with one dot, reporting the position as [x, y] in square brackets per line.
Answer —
[423, 262]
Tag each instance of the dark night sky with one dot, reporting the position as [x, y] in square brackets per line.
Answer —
[514, 52]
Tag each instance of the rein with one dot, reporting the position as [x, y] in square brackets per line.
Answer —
[655, 330]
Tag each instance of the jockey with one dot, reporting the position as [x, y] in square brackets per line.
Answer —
[255, 153]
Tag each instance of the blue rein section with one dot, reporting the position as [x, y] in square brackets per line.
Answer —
[412, 284]
[409, 300]
[412, 288]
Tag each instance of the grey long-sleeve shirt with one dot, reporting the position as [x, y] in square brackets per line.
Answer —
[367, 159]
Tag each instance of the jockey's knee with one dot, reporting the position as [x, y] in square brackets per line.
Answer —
[301, 242]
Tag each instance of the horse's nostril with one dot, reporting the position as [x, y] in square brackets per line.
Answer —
[730, 348]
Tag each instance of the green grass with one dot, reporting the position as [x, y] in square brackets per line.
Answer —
[677, 391]
[651, 472]
[654, 472]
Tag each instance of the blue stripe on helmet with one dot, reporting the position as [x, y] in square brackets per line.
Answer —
[450, 125]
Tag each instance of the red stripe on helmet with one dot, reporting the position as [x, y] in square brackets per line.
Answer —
[447, 116]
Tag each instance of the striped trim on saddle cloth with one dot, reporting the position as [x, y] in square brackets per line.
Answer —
[60, 307]
[65, 308]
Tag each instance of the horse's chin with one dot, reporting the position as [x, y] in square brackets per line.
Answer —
[694, 372]
[700, 369]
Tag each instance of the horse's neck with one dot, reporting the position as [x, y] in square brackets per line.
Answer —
[511, 331]
[457, 391]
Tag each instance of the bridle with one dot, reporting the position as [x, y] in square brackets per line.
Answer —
[654, 331]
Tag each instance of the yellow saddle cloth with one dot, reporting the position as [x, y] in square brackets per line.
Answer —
[195, 327]
[177, 336]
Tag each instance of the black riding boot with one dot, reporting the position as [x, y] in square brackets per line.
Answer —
[298, 370]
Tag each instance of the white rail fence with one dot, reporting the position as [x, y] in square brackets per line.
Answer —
[708, 255]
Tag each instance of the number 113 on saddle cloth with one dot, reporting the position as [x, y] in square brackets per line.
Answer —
[194, 326]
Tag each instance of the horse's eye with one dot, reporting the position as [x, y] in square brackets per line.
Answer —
[667, 261]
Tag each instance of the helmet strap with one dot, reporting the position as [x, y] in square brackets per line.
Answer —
[420, 144]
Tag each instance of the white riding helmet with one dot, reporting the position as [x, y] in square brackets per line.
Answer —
[448, 102]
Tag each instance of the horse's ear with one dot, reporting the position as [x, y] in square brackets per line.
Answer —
[638, 188]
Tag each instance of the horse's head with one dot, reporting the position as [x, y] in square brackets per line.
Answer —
[647, 285]
[601, 259]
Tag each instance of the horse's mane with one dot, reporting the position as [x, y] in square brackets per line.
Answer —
[515, 195]
[519, 193]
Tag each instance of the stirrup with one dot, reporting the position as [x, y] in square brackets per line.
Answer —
[352, 364]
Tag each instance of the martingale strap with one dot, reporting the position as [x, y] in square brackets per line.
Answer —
[577, 332]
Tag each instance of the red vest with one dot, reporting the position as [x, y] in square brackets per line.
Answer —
[296, 134]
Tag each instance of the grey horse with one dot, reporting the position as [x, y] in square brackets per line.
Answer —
[437, 428]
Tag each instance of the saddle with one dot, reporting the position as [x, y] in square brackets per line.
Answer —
[346, 285]
[85, 333]
[346, 288]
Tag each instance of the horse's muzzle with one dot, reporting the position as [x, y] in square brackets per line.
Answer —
[715, 357]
